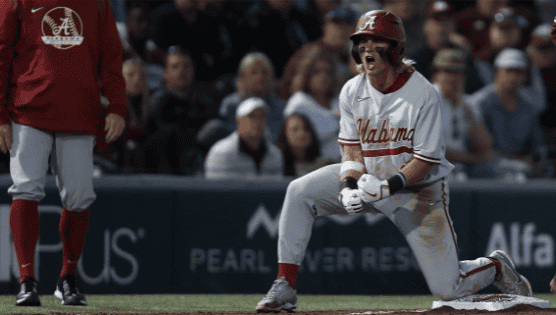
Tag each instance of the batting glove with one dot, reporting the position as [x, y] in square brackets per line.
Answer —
[351, 200]
[373, 189]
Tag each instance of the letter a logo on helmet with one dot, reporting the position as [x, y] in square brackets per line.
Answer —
[383, 24]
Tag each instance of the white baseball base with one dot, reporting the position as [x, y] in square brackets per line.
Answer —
[491, 302]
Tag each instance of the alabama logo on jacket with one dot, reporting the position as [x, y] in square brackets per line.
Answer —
[62, 28]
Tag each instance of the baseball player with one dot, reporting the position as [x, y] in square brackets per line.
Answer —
[393, 163]
[55, 54]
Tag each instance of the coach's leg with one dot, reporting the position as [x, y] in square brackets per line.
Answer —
[28, 166]
[424, 220]
[72, 163]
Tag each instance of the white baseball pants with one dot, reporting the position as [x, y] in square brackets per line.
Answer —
[71, 161]
[421, 216]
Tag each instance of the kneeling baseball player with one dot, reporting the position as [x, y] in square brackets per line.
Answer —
[393, 163]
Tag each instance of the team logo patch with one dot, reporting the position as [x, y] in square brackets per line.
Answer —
[370, 24]
[62, 28]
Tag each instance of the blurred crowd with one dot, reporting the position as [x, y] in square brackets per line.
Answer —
[249, 88]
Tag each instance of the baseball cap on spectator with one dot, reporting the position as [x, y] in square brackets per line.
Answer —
[506, 18]
[439, 10]
[249, 105]
[511, 58]
[342, 14]
[450, 59]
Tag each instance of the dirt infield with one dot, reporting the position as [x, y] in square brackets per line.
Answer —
[516, 310]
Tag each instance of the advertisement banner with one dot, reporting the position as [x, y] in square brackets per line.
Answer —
[228, 243]
[127, 250]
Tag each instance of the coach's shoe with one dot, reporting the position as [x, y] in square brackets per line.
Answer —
[28, 294]
[509, 281]
[68, 291]
[280, 297]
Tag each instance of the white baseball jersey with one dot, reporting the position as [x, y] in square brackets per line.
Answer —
[395, 127]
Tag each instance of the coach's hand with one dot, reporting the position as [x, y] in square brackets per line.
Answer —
[373, 189]
[115, 125]
[6, 138]
[351, 200]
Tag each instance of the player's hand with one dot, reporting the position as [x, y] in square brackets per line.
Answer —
[373, 189]
[6, 139]
[115, 125]
[553, 285]
[351, 200]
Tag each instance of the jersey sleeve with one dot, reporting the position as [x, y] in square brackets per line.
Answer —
[348, 125]
[111, 55]
[8, 38]
[428, 140]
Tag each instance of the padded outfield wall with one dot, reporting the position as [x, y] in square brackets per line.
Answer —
[164, 234]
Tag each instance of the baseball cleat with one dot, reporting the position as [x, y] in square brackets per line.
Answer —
[281, 296]
[509, 281]
[67, 290]
[28, 294]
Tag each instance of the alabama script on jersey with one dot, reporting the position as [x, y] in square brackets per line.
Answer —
[54, 55]
[395, 127]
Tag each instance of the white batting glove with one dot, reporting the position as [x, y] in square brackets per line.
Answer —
[351, 200]
[373, 189]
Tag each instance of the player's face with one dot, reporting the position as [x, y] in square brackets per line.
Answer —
[319, 81]
[298, 134]
[373, 63]
[257, 79]
[253, 125]
[135, 79]
[179, 71]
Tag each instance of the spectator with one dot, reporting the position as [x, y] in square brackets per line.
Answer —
[511, 119]
[245, 153]
[178, 110]
[542, 53]
[134, 32]
[121, 155]
[474, 22]
[276, 28]
[255, 77]
[410, 11]
[338, 26]
[505, 31]
[300, 146]
[315, 92]
[439, 33]
[317, 10]
[134, 37]
[194, 27]
[467, 139]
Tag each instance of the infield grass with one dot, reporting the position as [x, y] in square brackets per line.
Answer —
[213, 302]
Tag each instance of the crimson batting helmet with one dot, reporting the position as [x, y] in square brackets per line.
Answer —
[383, 24]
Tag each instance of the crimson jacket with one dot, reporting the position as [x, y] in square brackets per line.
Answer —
[55, 56]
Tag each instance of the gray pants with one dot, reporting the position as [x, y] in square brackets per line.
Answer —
[71, 161]
[421, 216]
